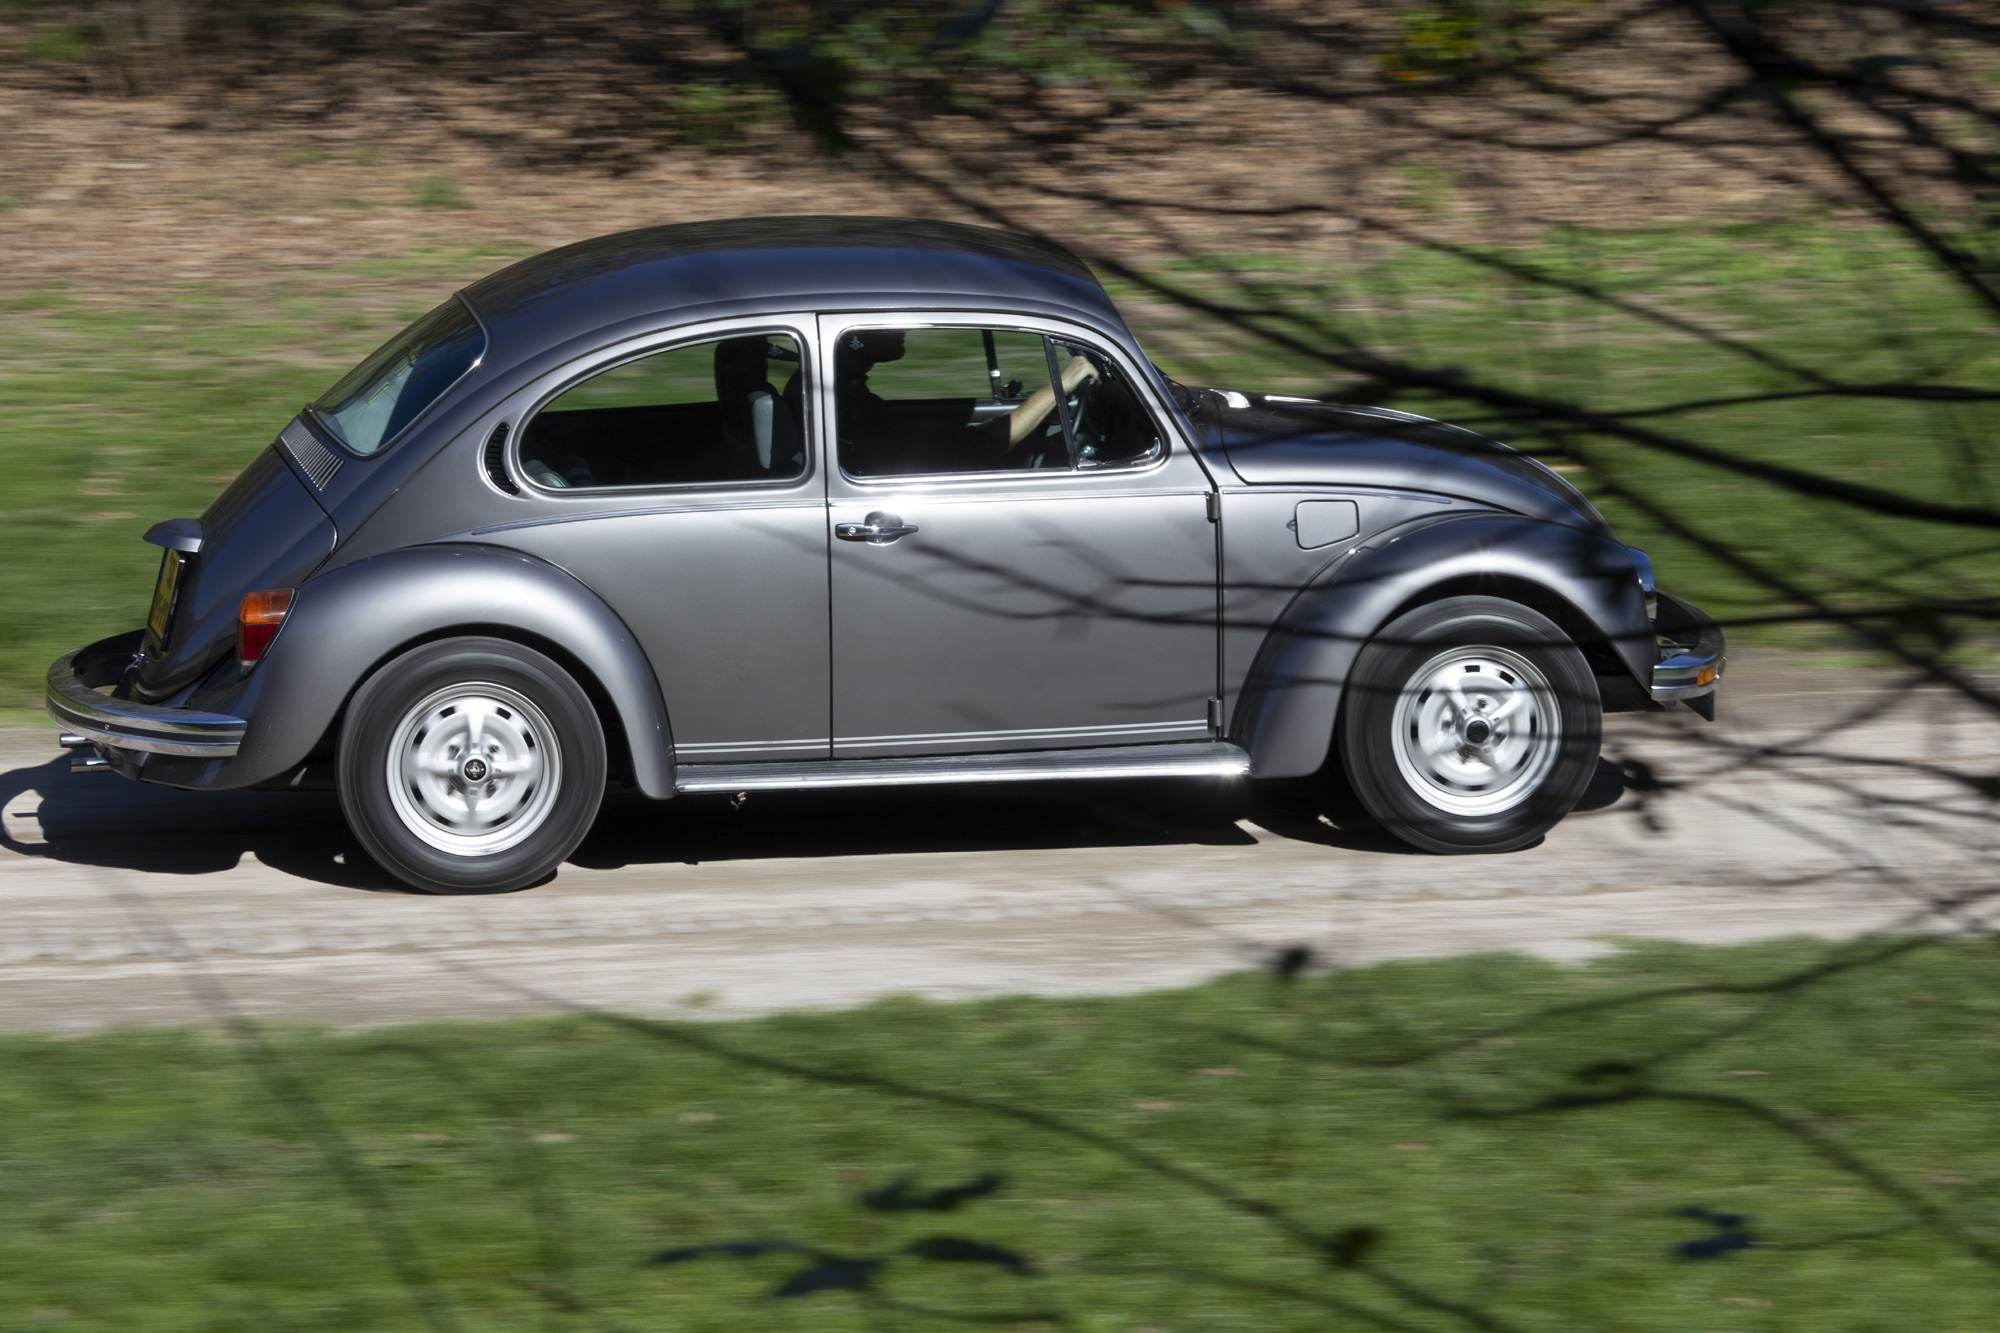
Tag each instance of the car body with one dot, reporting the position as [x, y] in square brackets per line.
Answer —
[975, 536]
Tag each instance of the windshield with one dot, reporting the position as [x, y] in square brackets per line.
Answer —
[374, 401]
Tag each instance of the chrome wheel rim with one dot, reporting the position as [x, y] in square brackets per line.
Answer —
[1476, 730]
[474, 769]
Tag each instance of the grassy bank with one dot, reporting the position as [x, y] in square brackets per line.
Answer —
[120, 408]
[523, 1173]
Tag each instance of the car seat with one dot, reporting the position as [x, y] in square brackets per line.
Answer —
[757, 419]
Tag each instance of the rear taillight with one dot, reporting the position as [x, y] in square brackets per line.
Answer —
[257, 621]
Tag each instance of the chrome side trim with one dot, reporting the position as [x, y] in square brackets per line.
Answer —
[1135, 732]
[1341, 491]
[314, 459]
[122, 724]
[547, 520]
[1678, 673]
[735, 747]
[1216, 759]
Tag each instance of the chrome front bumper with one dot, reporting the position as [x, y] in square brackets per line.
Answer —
[121, 724]
[1692, 656]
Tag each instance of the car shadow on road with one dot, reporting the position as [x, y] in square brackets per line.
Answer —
[103, 820]
[886, 821]
[1323, 809]
[99, 819]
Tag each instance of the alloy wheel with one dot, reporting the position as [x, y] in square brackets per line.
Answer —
[1475, 731]
[474, 769]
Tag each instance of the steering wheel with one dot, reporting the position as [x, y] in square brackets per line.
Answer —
[1079, 407]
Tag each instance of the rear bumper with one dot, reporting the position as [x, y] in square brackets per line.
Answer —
[1692, 652]
[74, 700]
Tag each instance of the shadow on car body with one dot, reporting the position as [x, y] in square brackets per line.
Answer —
[96, 819]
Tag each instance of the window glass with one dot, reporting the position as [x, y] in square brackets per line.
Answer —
[1109, 425]
[944, 400]
[372, 403]
[712, 412]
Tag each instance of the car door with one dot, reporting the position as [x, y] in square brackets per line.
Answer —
[676, 478]
[1004, 584]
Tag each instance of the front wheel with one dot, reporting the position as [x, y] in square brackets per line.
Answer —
[1470, 725]
[471, 765]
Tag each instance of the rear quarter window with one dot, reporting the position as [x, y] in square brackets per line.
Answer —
[714, 413]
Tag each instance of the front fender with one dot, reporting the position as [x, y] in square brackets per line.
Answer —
[1292, 694]
[347, 621]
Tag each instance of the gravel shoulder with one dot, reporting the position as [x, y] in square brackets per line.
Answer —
[121, 903]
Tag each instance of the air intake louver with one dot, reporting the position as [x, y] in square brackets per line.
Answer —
[496, 460]
[314, 459]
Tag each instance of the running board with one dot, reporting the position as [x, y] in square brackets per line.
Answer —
[1198, 759]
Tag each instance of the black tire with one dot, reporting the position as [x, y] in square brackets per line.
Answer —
[468, 708]
[1416, 742]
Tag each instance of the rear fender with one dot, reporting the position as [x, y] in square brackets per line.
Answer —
[350, 620]
[1292, 695]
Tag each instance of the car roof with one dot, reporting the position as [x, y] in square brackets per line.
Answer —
[776, 263]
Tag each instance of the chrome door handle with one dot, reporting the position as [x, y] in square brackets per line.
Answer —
[879, 530]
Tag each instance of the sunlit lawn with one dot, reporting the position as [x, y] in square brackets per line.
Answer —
[523, 1173]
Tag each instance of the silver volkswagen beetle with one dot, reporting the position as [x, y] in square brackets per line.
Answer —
[824, 502]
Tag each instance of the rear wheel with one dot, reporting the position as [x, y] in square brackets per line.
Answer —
[471, 765]
[1470, 725]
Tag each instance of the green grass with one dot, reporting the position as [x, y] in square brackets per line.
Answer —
[165, 1180]
[440, 192]
[120, 408]
[62, 43]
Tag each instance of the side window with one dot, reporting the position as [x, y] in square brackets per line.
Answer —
[713, 412]
[944, 400]
[1109, 425]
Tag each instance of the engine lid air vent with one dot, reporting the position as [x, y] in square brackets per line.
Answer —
[318, 462]
[496, 461]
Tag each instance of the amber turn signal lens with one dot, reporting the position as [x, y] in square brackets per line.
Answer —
[257, 621]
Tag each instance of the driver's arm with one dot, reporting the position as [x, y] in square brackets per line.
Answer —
[1035, 408]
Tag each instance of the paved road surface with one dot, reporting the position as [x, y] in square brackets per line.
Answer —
[114, 895]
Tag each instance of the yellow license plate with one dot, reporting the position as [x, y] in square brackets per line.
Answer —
[163, 599]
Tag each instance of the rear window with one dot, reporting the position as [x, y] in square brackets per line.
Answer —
[374, 401]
